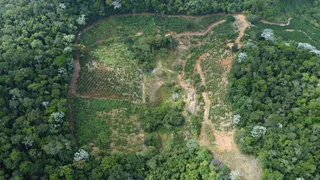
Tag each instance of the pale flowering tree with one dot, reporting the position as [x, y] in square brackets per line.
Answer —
[62, 70]
[69, 38]
[258, 131]
[81, 155]
[268, 35]
[280, 125]
[308, 47]
[234, 175]
[55, 128]
[117, 4]
[81, 20]
[317, 52]
[16, 94]
[299, 178]
[62, 6]
[45, 104]
[67, 50]
[236, 119]
[242, 56]
[58, 116]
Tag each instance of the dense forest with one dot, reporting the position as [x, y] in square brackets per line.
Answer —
[277, 93]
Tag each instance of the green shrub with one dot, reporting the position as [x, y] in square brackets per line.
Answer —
[174, 118]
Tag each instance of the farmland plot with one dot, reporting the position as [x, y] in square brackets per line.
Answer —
[108, 124]
[109, 71]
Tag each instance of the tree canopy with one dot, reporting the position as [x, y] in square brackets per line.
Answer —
[274, 87]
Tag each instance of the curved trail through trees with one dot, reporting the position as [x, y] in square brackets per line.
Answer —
[278, 24]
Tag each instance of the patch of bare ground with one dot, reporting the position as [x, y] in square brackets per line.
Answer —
[139, 33]
[143, 85]
[99, 41]
[226, 62]
[153, 86]
[289, 30]
[169, 33]
[242, 24]
[230, 45]
[134, 143]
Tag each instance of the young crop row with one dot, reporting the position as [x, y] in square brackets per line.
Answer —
[116, 83]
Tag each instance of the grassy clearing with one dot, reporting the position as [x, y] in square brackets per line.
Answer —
[113, 54]
[210, 134]
[167, 59]
[108, 70]
[162, 94]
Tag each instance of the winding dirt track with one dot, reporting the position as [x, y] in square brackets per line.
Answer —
[201, 33]
[278, 24]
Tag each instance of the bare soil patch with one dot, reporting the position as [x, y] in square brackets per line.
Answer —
[242, 24]
[169, 33]
[226, 62]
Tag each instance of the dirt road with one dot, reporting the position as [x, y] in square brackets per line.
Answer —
[201, 33]
[242, 24]
[278, 24]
